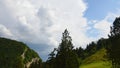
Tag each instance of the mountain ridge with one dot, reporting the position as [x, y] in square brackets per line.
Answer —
[15, 54]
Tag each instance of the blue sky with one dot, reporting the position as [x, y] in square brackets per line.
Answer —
[40, 23]
[98, 9]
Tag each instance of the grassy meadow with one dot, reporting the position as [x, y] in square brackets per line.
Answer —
[97, 65]
[97, 60]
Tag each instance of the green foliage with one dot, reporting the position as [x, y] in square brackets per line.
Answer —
[19, 63]
[36, 65]
[98, 56]
[65, 56]
[97, 60]
[92, 48]
[100, 64]
[11, 51]
[66, 44]
[80, 52]
[67, 60]
[94, 53]
[29, 55]
[114, 49]
[115, 29]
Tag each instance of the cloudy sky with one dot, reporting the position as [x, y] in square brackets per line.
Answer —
[40, 23]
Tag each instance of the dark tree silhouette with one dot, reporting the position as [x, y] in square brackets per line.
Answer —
[66, 44]
[65, 57]
[114, 49]
[80, 52]
[115, 29]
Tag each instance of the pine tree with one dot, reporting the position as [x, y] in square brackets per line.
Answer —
[80, 52]
[114, 49]
[66, 44]
[65, 57]
[115, 29]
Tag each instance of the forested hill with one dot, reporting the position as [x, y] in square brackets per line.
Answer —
[14, 54]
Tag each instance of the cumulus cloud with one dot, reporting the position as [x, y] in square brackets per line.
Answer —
[103, 27]
[40, 23]
[43, 21]
[4, 31]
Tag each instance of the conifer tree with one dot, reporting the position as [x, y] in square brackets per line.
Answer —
[66, 58]
[114, 49]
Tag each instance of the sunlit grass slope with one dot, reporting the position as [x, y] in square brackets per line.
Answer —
[97, 60]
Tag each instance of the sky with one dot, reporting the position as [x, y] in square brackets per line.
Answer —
[40, 23]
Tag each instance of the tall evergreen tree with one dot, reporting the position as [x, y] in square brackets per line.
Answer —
[66, 44]
[115, 29]
[65, 57]
[114, 49]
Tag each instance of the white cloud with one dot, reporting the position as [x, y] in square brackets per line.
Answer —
[49, 19]
[4, 31]
[103, 26]
[42, 21]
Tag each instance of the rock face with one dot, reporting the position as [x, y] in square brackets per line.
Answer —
[14, 54]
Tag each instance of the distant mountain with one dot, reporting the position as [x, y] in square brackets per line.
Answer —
[14, 54]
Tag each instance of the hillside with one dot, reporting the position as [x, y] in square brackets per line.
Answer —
[98, 56]
[97, 60]
[14, 54]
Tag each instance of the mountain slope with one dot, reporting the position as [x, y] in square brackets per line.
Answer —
[14, 54]
[97, 60]
[98, 56]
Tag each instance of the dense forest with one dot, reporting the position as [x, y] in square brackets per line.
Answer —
[14, 54]
[104, 53]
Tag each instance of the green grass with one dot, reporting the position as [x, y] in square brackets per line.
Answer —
[98, 56]
[100, 64]
[97, 60]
